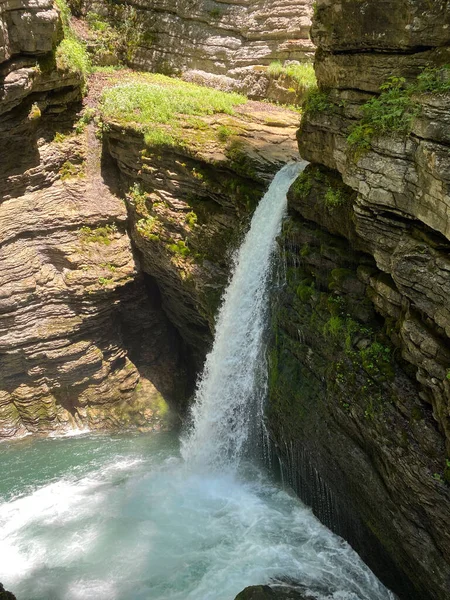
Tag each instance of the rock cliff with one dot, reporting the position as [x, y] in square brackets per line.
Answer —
[107, 307]
[363, 321]
[228, 45]
[76, 315]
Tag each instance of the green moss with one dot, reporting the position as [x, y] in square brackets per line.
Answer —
[302, 186]
[99, 235]
[334, 198]
[70, 170]
[224, 133]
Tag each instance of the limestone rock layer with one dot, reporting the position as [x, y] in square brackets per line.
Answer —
[368, 285]
[222, 44]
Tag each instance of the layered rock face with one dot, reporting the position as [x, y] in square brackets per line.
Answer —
[364, 318]
[190, 203]
[75, 315]
[224, 44]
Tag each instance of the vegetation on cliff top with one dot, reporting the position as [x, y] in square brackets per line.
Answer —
[71, 54]
[159, 105]
[303, 74]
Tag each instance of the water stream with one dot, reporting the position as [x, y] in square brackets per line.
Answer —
[137, 517]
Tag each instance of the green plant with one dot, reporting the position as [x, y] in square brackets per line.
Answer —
[149, 228]
[215, 13]
[191, 219]
[334, 327]
[224, 133]
[393, 111]
[302, 185]
[86, 118]
[334, 198]
[70, 170]
[59, 137]
[159, 106]
[105, 280]
[179, 247]
[316, 101]
[302, 73]
[35, 112]
[71, 55]
[98, 235]
[434, 80]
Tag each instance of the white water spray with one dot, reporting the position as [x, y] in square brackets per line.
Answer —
[227, 390]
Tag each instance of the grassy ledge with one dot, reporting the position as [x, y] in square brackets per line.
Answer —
[164, 109]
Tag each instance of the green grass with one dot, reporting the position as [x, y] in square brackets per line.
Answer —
[160, 106]
[70, 54]
[303, 74]
[162, 101]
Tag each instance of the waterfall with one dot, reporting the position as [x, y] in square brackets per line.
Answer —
[226, 398]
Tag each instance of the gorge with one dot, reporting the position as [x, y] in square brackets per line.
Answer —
[125, 195]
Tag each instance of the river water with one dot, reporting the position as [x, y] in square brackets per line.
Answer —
[141, 517]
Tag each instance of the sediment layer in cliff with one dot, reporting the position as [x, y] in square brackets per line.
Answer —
[228, 45]
[368, 280]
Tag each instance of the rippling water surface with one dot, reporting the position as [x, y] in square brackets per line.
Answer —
[124, 518]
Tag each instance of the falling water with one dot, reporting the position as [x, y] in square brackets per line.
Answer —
[227, 393]
[126, 518]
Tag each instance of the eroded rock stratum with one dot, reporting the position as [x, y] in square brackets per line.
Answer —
[100, 328]
[228, 45]
[363, 323]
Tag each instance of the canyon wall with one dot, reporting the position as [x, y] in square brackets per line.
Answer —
[360, 363]
[102, 321]
[76, 318]
[228, 45]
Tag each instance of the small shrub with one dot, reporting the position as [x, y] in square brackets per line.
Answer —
[434, 80]
[392, 112]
